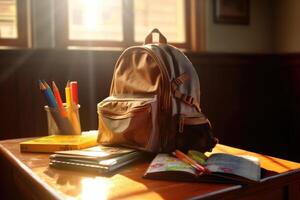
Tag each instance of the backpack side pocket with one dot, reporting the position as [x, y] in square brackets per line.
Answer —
[129, 122]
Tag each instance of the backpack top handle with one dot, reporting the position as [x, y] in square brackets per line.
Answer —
[149, 37]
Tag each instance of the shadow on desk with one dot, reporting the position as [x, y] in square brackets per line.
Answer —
[267, 173]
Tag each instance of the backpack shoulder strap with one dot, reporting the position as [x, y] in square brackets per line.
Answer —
[176, 82]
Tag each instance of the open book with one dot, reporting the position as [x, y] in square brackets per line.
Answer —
[100, 159]
[224, 168]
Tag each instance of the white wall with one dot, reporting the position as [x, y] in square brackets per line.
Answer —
[257, 37]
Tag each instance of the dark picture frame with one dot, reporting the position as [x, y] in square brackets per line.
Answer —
[232, 11]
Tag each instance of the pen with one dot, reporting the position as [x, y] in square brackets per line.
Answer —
[181, 156]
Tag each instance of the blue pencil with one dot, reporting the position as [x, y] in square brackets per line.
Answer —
[44, 87]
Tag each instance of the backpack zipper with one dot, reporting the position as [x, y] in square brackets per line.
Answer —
[122, 115]
[166, 92]
[166, 83]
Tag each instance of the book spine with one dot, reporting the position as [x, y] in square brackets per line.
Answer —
[89, 143]
[46, 148]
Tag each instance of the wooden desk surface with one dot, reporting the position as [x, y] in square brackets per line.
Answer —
[34, 177]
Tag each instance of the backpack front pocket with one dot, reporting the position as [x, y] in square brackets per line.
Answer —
[129, 122]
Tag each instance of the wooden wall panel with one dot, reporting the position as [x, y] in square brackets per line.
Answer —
[291, 65]
[252, 100]
[248, 99]
[24, 102]
[8, 100]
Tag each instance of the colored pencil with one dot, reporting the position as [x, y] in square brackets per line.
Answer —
[44, 87]
[74, 92]
[68, 95]
[183, 157]
[73, 117]
[58, 99]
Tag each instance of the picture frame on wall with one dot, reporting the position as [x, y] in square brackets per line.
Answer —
[232, 11]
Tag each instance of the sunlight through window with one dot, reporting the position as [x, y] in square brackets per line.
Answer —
[94, 188]
[168, 16]
[95, 20]
[8, 19]
[120, 23]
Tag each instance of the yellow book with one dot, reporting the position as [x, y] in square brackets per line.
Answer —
[52, 143]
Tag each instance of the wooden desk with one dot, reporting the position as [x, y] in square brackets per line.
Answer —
[27, 175]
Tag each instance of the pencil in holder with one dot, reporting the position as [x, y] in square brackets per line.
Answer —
[63, 122]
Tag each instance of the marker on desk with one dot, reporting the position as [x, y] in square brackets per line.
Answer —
[181, 156]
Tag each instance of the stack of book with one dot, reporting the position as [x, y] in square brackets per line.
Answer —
[99, 159]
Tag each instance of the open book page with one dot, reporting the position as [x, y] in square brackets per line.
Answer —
[165, 162]
[244, 166]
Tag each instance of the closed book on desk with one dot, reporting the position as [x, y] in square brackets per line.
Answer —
[94, 164]
[97, 153]
[54, 143]
[224, 168]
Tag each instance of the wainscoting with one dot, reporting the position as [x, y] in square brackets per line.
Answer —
[252, 100]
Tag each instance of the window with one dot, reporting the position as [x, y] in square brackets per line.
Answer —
[8, 19]
[168, 16]
[121, 23]
[95, 20]
[13, 23]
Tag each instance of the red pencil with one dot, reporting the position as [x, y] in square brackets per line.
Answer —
[74, 92]
[58, 99]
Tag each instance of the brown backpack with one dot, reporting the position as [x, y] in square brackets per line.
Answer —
[154, 102]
